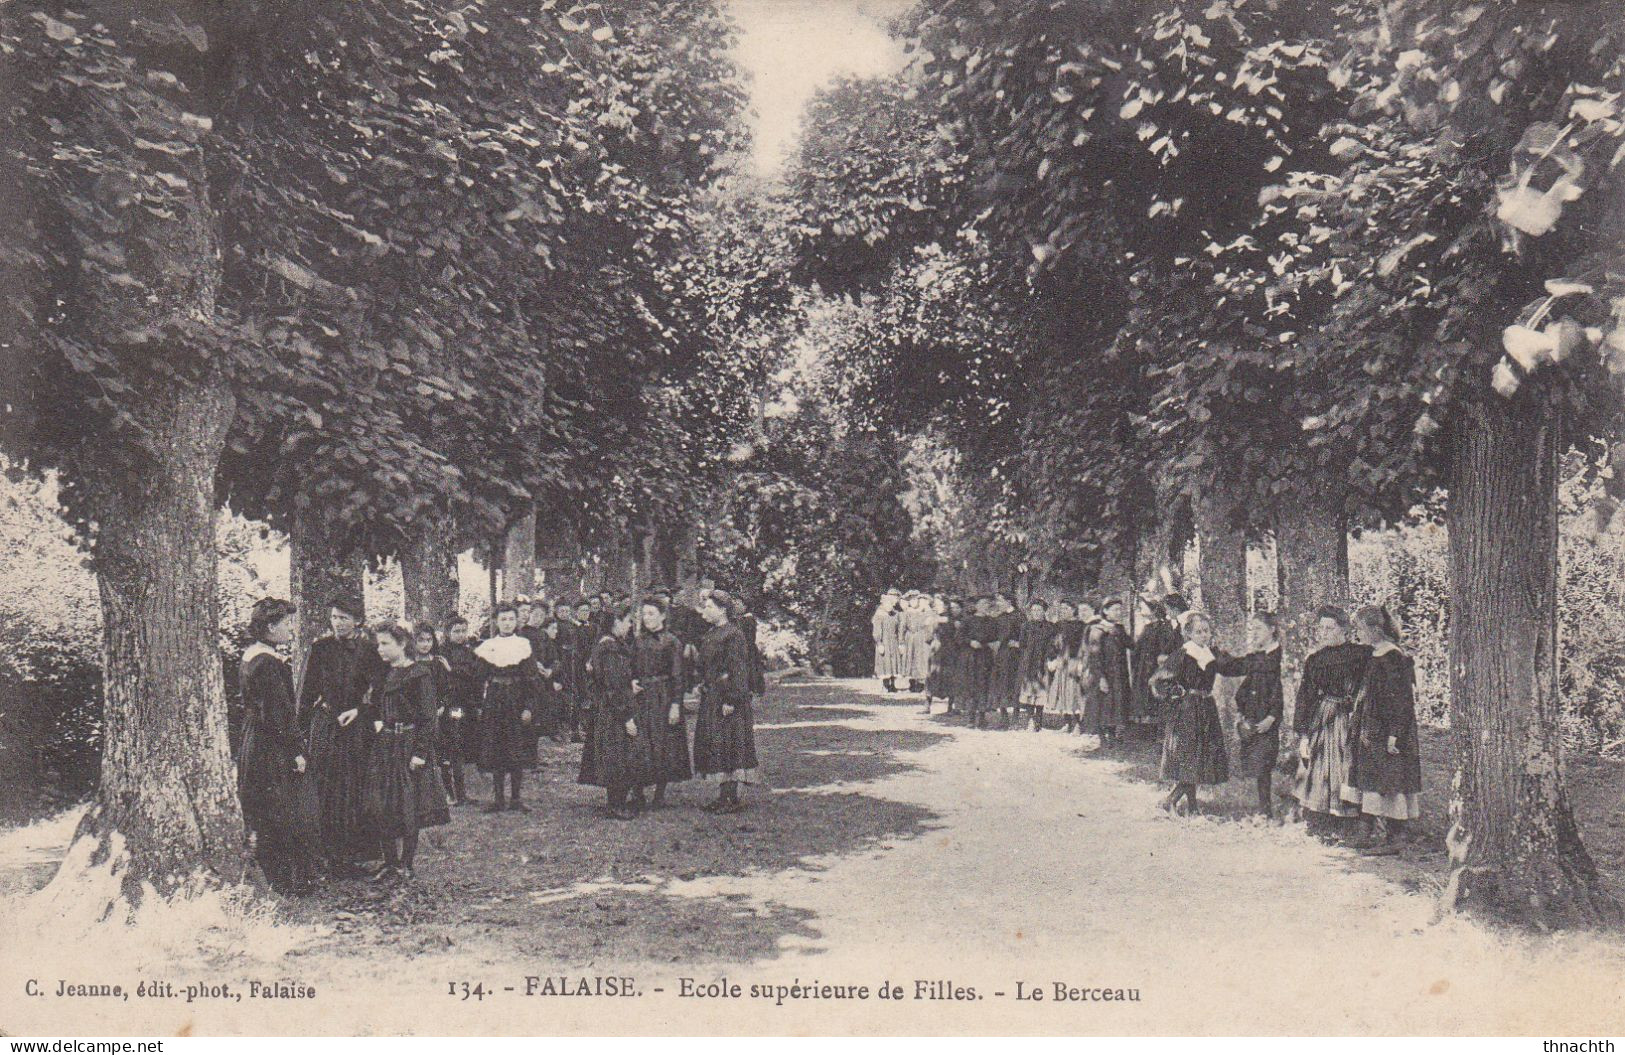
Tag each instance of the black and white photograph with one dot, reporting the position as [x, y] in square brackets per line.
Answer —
[786, 518]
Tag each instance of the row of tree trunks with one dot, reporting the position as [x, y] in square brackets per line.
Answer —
[1514, 846]
[167, 815]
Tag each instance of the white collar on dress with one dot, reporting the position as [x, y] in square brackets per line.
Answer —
[504, 651]
[260, 648]
[1204, 656]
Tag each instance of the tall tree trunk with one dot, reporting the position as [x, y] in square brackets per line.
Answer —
[429, 574]
[1312, 564]
[1159, 559]
[686, 558]
[320, 570]
[1222, 551]
[1223, 555]
[1514, 846]
[166, 815]
[519, 556]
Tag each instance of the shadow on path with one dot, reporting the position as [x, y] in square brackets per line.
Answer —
[568, 885]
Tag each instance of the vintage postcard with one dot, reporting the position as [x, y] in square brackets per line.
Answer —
[812, 518]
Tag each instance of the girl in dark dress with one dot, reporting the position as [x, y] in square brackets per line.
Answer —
[281, 805]
[1115, 682]
[981, 633]
[1258, 704]
[1158, 639]
[457, 736]
[1096, 721]
[1321, 717]
[1031, 676]
[550, 665]
[404, 789]
[1193, 750]
[657, 669]
[1004, 684]
[939, 684]
[507, 709]
[724, 733]
[615, 756]
[333, 705]
[1385, 777]
[426, 650]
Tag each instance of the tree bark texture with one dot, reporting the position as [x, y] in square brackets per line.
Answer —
[1223, 557]
[320, 571]
[166, 814]
[1514, 845]
[429, 574]
[519, 556]
[1312, 564]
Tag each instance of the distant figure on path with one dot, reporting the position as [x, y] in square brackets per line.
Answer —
[886, 625]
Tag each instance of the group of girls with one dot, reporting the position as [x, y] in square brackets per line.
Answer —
[1358, 773]
[1066, 664]
[340, 776]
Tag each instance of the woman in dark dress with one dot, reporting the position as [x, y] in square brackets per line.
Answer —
[404, 790]
[1385, 777]
[281, 805]
[724, 733]
[333, 704]
[1193, 750]
[1321, 716]
[615, 756]
[507, 709]
[1258, 704]
[657, 670]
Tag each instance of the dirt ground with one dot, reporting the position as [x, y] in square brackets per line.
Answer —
[966, 868]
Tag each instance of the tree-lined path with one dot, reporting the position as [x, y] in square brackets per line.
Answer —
[900, 847]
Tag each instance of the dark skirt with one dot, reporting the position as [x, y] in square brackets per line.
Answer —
[1193, 743]
[1321, 779]
[280, 805]
[1102, 709]
[338, 759]
[1004, 685]
[938, 681]
[668, 741]
[1256, 755]
[399, 799]
[609, 757]
[1374, 770]
[507, 741]
[723, 743]
[978, 673]
[457, 738]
